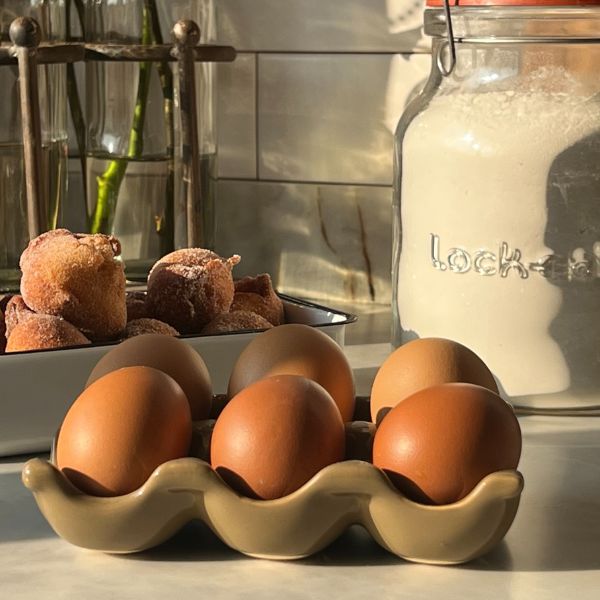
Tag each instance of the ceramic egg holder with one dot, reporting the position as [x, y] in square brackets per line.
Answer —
[27, 51]
[296, 526]
[179, 491]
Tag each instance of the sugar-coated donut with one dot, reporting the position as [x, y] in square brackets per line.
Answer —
[239, 320]
[188, 288]
[16, 311]
[77, 277]
[4, 300]
[144, 325]
[256, 294]
[136, 306]
[42, 332]
[2, 332]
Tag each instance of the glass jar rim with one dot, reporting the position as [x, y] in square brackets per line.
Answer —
[516, 24]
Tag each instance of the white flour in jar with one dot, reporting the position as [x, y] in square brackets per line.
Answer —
[474, 210]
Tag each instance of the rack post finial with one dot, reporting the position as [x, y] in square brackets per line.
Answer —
[186, 33]
[187, 37]
[25, 32]
[26, 35]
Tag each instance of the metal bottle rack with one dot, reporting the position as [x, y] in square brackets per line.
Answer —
[28, 52]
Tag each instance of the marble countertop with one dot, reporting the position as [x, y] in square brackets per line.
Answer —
[552, 550]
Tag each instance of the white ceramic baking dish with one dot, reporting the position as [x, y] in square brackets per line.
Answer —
[37, 388]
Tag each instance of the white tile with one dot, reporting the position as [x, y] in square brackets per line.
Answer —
[322, 26]
[237, 117]
[326, 118]
[319, 241]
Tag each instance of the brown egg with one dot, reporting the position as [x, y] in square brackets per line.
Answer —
[121, 428]
[297, 350]
[420, 364]
[439, 443]
[167, 354]
[275, 435]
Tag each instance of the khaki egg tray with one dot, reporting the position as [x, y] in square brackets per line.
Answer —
[296, 526]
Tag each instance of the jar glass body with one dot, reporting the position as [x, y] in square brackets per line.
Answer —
[497, 200]
[133, 177]
[14, 236]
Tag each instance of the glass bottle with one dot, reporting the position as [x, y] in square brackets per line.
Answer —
[133, 133]
[204, 13]
[50, 14]
[497, 197]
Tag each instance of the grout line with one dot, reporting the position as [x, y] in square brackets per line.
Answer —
[324, 51]
[299, 182]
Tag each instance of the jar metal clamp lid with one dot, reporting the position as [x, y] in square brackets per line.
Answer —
[446, 69]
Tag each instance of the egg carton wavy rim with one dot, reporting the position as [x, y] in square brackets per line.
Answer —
[295, 526]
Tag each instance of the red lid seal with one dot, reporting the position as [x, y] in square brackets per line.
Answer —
[555, 3]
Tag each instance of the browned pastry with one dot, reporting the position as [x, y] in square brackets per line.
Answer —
[4, 300]
[79, 278]
[136, 306]
[256, 294]
[42, 332]
[238, 320]
[16, 311]
[2, 332]
[144, 325]
[188, 288]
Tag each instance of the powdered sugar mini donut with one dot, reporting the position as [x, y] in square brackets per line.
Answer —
[43, 332]
[256, 294]
[238, 320]
[188, 288]
[15, 312]
[144, 325]
[2, 332]
[136, 306]
[77, 277]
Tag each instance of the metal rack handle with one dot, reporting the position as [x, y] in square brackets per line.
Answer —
[187, 35]
[28, 52]
[26, 36]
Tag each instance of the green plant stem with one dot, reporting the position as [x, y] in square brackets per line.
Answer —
[73, 96]
[80, 12]
[165, 226]
[109, 183]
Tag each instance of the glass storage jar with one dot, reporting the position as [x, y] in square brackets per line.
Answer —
[497, 196]
[14, 236]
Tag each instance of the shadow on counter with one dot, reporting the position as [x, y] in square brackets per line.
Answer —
[557, 527]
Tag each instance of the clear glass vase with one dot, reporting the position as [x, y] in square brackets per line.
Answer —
[497, 199]
[133, 187]
[204, 13]
[50, 14]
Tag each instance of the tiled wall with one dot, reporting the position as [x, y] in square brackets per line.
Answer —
[306, 115]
